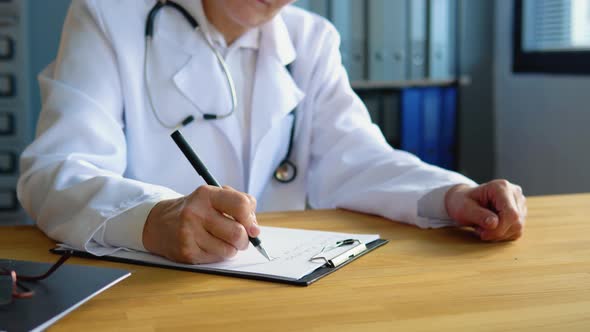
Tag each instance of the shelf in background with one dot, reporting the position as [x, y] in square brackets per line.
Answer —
[395, 85]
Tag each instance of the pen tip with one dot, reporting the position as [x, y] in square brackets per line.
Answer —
[263, 252]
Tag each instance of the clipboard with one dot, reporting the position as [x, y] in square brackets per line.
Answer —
[343, 259]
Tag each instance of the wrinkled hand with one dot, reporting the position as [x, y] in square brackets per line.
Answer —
[496, 210]
[209, 225]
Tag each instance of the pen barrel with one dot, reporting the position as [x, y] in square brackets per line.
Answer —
[255, 241]
[198, 165]
[192, 157]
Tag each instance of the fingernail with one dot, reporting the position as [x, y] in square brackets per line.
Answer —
[490, 220]
[254, 229]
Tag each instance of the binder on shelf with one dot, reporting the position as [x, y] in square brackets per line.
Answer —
[417, 41]
[431, 125]
[441, 57]
[387, 40]
[348, 16]
[390, 116]
[428, 124]
[372, 101]
[448, 128]
[411, 121]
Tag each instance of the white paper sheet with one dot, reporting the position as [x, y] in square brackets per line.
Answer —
[290, 249]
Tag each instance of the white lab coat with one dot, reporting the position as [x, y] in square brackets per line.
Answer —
[99, 150]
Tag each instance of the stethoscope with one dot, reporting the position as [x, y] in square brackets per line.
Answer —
[286, 171]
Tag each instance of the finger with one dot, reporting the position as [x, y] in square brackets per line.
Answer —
[475, 215]
[514, 232]
[521, 203]
[239, 206]
[253, 203]
[192, 254]
[515, 236]
[227, 230]
[516, 229]
[504, 203]
[250, 197]
[213, 246]
[203, 257]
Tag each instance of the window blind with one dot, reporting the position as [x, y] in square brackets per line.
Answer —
[556, 25]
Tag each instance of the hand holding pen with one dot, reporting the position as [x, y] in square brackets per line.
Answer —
[196, 228]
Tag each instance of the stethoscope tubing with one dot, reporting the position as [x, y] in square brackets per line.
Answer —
[149, 33]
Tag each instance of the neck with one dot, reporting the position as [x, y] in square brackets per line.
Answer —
[216, 15]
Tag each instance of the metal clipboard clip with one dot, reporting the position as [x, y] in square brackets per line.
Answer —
[340, 252]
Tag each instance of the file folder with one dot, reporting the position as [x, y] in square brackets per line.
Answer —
[348, 16]
[448, 128]
[387, 40]
[431, 117]
[429, 124]
[411, 121]
[442, 41]
[417, 42]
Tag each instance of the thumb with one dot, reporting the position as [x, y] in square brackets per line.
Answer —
[475, 215]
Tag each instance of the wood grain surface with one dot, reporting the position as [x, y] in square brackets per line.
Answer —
[423, 280]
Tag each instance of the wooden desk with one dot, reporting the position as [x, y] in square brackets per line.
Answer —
[439, 280]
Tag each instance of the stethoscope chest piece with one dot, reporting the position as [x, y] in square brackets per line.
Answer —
[286, 172]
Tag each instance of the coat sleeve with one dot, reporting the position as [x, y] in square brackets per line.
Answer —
[71, 179]
[352, 166]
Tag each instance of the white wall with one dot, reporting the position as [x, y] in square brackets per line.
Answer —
[542, 122]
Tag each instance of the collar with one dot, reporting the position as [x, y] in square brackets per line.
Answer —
[276, 38]
[250, 39]
[272, 36]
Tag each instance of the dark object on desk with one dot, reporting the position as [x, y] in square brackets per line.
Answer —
[38, 302]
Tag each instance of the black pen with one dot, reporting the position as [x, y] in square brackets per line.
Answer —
[198, 165]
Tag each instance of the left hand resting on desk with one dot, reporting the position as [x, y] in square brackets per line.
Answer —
[497, 209]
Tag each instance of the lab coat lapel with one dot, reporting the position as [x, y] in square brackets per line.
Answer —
[275, 95]
[202, 81]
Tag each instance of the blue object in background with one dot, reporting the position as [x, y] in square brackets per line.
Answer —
[428, 122]
[431, 125]
[411, 121]
[448, 128]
